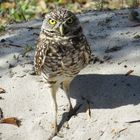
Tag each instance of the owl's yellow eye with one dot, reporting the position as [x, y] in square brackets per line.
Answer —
[70, 20]
[52, 21]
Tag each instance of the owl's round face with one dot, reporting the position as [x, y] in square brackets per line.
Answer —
[61, 22]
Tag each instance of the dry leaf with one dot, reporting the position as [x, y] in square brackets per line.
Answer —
[8, 5]
[114, 131]
[12, 120]
[2, 90]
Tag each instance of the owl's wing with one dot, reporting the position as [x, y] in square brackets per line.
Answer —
[87, 52]
[40, 55]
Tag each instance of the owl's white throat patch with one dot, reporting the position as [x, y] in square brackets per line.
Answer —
[58, 38]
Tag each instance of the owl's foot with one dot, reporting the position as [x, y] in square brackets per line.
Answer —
[71, 112]
[56, 131]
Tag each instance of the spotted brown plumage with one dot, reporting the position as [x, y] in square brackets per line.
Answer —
[62, 52]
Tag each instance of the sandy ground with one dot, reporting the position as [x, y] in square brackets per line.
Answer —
[102, 89]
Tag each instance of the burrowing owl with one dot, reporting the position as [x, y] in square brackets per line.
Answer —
[62, 51]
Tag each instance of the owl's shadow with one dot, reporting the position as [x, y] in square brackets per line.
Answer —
[103, 92]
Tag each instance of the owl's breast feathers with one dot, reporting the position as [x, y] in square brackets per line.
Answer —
[66, 55]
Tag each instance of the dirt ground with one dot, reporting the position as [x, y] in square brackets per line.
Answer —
[106, 93]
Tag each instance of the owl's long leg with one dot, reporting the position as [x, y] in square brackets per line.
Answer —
[53, 90]
[66, 86]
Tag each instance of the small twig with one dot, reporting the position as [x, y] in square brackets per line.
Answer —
[1, 114]
[136, 121]
[15, 45]
[129, 72]
[122, 62]
[102, 132]
[136, 25]
[88, 108]
[122, 130]
[113, 49]
[2, 90]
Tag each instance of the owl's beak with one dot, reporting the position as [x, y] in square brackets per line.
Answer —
[63, 29]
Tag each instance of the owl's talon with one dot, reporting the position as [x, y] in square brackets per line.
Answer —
[71, 112]
[60, 135]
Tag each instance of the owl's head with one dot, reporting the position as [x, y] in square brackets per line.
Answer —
[61, 22]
